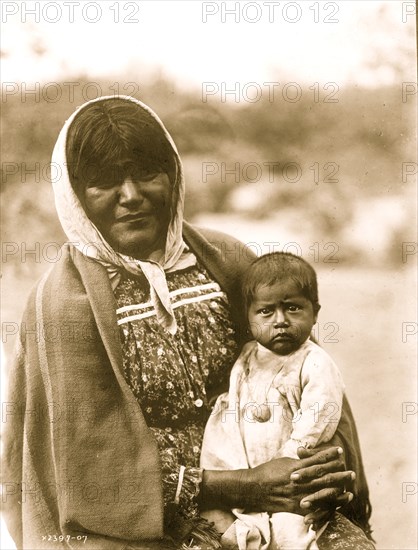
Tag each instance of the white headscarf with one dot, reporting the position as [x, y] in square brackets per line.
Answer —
[85, 236]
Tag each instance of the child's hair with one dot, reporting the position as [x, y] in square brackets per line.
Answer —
[279, 267]
[106, 132]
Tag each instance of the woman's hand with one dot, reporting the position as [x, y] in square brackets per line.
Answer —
[280, 485]
[298, 486]
[322, 504]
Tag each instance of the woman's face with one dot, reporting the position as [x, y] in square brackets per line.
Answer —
[132, 214]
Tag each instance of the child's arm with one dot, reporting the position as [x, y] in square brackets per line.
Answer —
[320, 406]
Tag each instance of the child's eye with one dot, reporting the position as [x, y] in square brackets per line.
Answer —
[264, 311]
[293, 307]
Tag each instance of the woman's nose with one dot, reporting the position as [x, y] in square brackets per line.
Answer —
[130, 192]
[280, 318]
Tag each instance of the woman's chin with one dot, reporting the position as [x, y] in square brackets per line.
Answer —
[138, 244]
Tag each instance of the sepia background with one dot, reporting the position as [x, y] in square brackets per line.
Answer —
[296, 127]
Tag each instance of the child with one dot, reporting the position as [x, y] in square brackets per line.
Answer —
[285, 392]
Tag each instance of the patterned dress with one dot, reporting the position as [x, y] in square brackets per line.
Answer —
[174, 379]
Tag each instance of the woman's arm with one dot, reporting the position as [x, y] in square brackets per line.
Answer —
[280, 485]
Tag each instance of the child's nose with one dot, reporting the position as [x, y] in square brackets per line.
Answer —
[280, 318]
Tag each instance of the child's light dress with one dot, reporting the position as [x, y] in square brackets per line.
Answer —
[302, 395]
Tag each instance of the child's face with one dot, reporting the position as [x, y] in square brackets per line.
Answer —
[281, 317]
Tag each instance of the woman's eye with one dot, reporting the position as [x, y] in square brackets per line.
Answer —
[102, 184]
[148, 176]
[145, 176]
[107, 184]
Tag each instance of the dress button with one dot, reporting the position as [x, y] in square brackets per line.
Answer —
[198, 402]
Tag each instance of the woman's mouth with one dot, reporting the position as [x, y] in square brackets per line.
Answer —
[132, 218]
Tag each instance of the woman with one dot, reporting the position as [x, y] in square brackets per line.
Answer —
[125, 344]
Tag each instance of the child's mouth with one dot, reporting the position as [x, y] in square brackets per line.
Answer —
[282, 336]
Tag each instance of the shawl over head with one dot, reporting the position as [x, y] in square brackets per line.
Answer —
[85, 236]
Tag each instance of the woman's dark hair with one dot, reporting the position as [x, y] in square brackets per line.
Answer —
[105, 133]
[279, 267]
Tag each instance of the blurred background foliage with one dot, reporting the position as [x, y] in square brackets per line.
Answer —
[338, 174]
